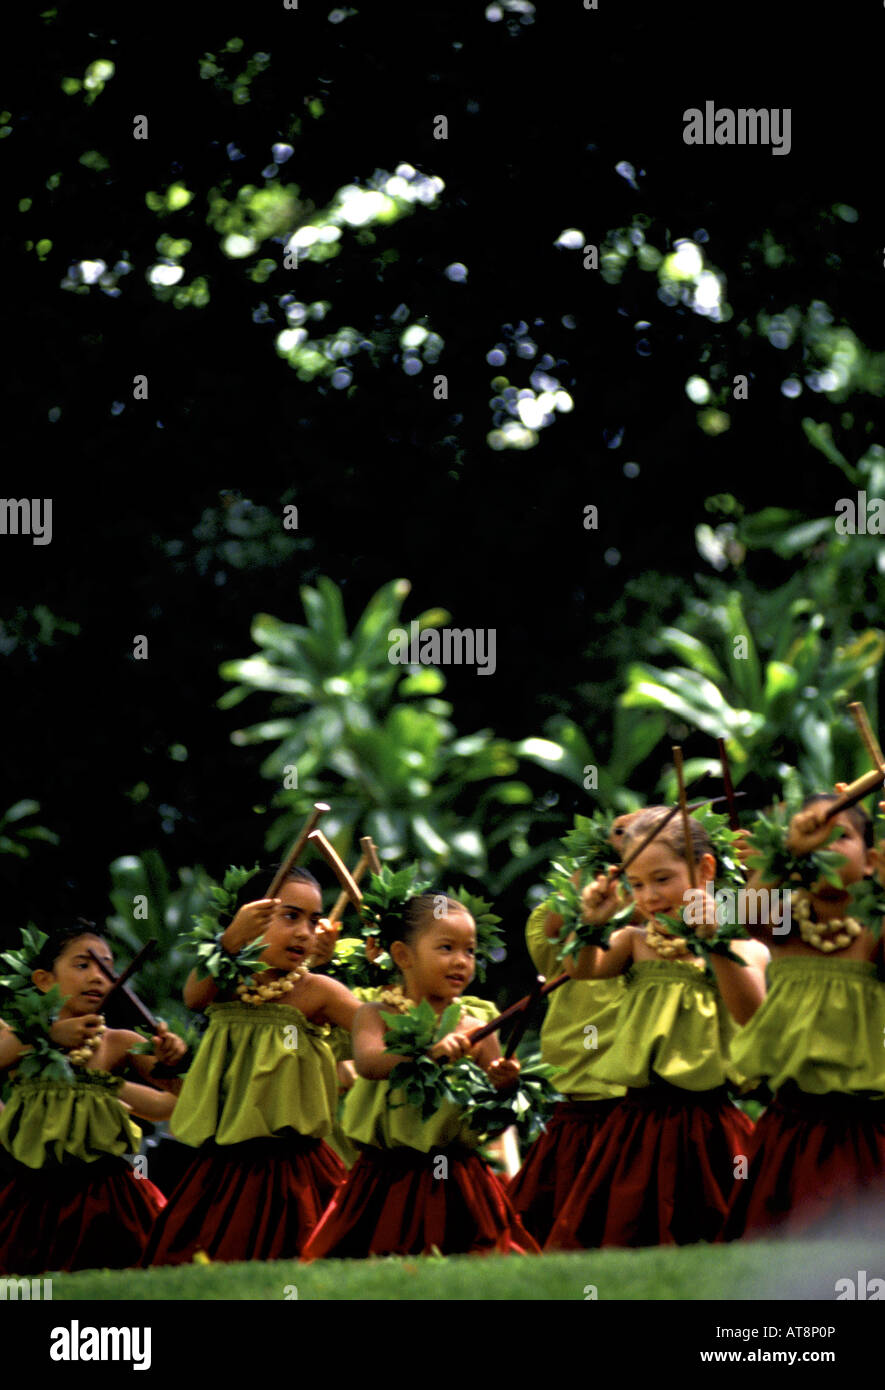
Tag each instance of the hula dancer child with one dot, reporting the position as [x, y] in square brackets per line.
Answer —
[661, 1168]
[69, 1199]
[258, 1101]
[578, 1028]
[816, 1043]
[418, 1183]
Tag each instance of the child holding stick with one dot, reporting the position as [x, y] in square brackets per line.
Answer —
[69, 1199]
[816, 1042]
[578, 1028]
[418, 1184]
[661, 1168]
[258, 1102]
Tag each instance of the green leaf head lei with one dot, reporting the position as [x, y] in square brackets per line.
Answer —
[586, 849]
[384, 905]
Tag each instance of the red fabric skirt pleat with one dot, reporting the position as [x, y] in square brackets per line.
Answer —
[817, 1162]
[93, 1216]
[552, 1164]
[259, 1200]
[660, 1171]
[392, 1204]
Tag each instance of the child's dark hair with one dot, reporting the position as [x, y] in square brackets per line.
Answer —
[673, 835]
[862, 823]
[417, 915]
[248, 894]
[60, 935]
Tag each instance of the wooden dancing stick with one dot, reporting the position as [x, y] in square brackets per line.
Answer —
[343, 898]
[683, 809]
[477, 1034]
[856, 791]
[859, 715]
[523, 1022]
[339, 868]
[368, 847]
[118, 983]
[319, 809]
[733, 822]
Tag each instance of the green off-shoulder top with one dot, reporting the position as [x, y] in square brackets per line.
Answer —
[579, 1025]
[672, 1027]
[260, 1071]
[821, 1027]
[51, 1124]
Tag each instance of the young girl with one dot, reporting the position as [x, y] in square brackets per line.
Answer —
[419, 1184]
[258, 1102]
[661, 1168]
[69, 1198]
[578, 1028]
[816, 1042]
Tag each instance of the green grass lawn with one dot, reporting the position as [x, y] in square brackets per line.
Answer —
[758, 1270]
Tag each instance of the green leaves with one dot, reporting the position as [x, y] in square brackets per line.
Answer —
[203, 938]
[775, 862]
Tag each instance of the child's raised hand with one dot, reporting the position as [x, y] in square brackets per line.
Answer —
[73, 1032]
[250, 922]
[451, 1048]
[599, 900]
[504, 1072]
[742, 847]
[808, 829]
[325, 941]
[169, 1048]
[373, 949]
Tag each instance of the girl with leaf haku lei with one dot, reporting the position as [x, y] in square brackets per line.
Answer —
[418, 1184]
[69, 1196]
[661, 1168]
[817, 1163]
[258, 1101]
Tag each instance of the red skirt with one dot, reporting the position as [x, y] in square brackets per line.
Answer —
[393, 1204]
[259, 1200]
[817, 1161]
[551, 1165]
[659, 1172]
[93, 1216]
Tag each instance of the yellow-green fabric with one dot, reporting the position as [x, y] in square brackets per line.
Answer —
[568, 1041]
[821, 1026]
[341, 1043]
[367, 1119]
[261, 1070]
[672, 1027]
[50, 1123]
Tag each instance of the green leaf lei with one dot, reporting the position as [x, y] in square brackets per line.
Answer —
[488, 938]
[775, 862]
[427, 1084]
[586, 847]
[386, 896]
[204, 937]
[30, 1013]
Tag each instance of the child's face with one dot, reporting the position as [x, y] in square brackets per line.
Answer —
[78, 976]
[289, 939]
[442, 961]
[860, 858]
[658, 879]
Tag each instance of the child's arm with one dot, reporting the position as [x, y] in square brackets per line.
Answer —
[66, 1033]
[330, 1001]
[249, 923]
[169, 1050]
[145, 1102]
[742, 986]
[369, 1057]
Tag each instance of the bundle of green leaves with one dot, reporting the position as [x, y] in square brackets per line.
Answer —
[428, 1084]
[775, 862]
[204, 936]
[30, 1012]
[586, 852]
